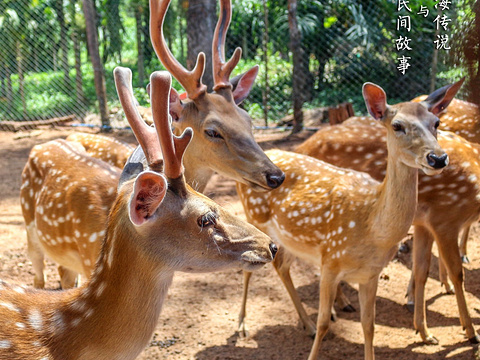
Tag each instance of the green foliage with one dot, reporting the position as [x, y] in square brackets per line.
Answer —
[346, 42]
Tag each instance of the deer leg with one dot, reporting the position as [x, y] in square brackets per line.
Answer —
[282, 263]
[36, 256]
[342, 301]
[448, 247]
[68, 277]
[463, 245]
[367, 294]
[411, 293]
[443, 274]
[422, 253]
[242, 326]
[328, 289]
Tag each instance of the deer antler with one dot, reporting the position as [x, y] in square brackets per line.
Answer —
[190, 80]
[222, 70]
[172, 147]
[145, 135]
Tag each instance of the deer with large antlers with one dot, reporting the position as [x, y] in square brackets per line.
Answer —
[157, 225]
[224, 143]
[447, 203]
[344, 221]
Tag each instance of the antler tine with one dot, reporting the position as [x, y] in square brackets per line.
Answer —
[172, 147]
[190, 80]
[145, 135]
[222, 70]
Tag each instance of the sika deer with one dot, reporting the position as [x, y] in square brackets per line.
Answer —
[438, 197]
[224, 143]
[360, 145]
[157, 225]
[340, 219]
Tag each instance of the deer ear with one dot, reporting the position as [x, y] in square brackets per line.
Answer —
[148, 193]
[376, 100]
[439, 100]
[243, 83]
[176, 106]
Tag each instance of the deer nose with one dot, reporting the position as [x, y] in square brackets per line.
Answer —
[273, 249]
[274, 181]
[437, 162]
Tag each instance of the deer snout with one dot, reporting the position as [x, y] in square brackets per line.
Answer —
[275, 180]
[437, 162]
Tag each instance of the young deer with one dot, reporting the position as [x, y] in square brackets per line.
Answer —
[224, 143]
[157, 225]
[110, 150]
[447, 203]
[344, 221]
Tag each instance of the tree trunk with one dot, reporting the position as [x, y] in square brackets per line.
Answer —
[140, 53]
[63, 44]
[475, 81]
[265, 93]
[80, 96]
[298, 81]
[201, 21]
[21, 81]
[99, 75]
[9, 88]
[148, 52]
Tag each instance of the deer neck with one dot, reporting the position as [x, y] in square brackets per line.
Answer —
[197, 174]
[124, 295]
[396, 204]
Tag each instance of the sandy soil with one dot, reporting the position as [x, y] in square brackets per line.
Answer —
[199, 320]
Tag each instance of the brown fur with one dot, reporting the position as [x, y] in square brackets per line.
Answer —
[447, 203]
[342, 220]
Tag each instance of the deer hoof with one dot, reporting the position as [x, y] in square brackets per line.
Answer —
[349, 308]
[449, 290]
[465, 259]
[242, 331]
[410, 307]
[431, 340]
[475, 339]
[333, 317]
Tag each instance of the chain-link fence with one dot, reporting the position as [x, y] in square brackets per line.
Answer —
[45, 71]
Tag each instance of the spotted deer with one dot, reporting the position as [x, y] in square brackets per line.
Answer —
[447, 203]
[157, 225]
[342, 220]
[224, 143]
[462, 118]
[65, 199]
[108, 149]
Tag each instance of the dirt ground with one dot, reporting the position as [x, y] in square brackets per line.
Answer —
[199, 319]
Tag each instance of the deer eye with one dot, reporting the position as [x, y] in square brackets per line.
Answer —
[213, 134]
[437, 124]
[208, 219]
[396, 126]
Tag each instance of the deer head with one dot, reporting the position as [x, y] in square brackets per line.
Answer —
[224, 142]
[161, 200]
[406, 122]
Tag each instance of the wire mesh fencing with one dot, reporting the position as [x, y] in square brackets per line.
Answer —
[46, 73]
